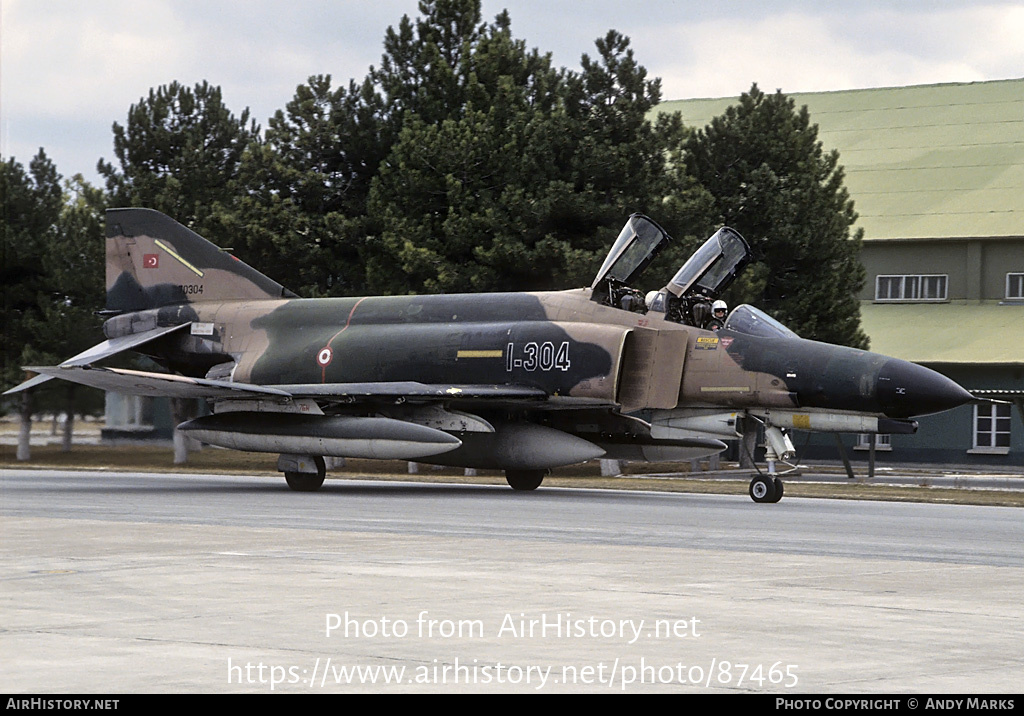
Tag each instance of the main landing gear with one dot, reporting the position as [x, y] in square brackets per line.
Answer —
[303, 473]
[525, 479]
[766, 488]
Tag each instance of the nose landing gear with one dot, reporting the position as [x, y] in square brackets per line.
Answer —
[766, 488]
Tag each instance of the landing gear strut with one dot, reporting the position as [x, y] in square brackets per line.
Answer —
[525, 479]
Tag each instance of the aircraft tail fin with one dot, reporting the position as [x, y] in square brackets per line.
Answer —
[154, 261]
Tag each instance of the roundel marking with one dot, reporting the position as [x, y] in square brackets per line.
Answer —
[324, 357]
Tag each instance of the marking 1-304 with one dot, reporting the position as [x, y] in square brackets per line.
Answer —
[533, 356]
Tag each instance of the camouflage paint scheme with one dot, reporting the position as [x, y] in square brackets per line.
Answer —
[548, 374]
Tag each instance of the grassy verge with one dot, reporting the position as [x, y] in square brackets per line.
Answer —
[159, 459]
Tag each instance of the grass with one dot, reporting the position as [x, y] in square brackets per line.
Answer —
[211, 460]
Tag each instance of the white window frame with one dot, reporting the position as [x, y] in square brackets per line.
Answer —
[1015, 277]
[883, 441]
[984, 441]
[911, 288]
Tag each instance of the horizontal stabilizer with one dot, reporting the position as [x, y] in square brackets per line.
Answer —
[29, 384]
[135, 382]
[98, 352]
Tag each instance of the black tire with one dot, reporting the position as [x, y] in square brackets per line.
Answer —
[779, 489]
[306, 481]
[762, 489]
[524, 479]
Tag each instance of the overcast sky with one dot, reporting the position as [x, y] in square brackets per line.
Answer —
[70, 69]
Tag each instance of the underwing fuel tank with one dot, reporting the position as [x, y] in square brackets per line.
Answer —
[358, 437]
[670, 424]
[693, 448]
[520, 446]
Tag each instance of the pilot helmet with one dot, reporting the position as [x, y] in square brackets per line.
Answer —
[719, 305]
[655, 301]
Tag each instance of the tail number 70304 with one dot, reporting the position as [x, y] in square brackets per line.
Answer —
[533, 356]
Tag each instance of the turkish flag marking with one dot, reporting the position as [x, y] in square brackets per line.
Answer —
[151, 261]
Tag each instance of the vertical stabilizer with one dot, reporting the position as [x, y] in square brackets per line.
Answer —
[154, 261]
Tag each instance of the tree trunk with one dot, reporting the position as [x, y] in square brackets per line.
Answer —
[25, 426]
[69, 420]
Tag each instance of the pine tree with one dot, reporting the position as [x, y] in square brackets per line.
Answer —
[32, 203]
[179, 153]
[52, 279]
[507, 173]
[301, 203]
[772, 181]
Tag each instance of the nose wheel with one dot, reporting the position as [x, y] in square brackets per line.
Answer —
[766, 488]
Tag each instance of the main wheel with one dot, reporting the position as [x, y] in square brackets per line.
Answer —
[779, 489]
[307, 481]
[762, 489]
[524, 479]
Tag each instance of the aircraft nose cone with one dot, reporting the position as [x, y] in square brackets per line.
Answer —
[907, 389]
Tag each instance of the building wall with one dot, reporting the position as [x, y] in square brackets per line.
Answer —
[1002, 257]
[976, 268]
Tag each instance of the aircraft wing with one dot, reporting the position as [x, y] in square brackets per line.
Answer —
[412, 389]
[98, 352]
[178, 386]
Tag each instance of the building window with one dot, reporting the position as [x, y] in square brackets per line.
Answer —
[992, 428]
[911, 287]
[883, 441]
[1015, 285]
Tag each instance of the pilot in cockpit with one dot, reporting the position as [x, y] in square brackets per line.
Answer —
[719, 309]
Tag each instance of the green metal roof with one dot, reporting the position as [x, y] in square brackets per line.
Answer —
[975, 333]
[929, 161]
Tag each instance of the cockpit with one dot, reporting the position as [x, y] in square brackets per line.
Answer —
[755, 322]
[689, 296]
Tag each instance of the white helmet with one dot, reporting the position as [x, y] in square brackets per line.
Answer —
[719, 305]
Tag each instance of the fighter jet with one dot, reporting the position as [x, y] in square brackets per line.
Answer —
[520, 382]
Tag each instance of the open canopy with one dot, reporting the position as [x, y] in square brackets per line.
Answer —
[713, 266]
[638, 243]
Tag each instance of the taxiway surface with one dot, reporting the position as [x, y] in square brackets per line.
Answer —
[201, 583]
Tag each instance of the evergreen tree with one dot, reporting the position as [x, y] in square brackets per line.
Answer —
[52, 279]
[301, 201]
[773, 182]
[179, 153]
[73, 272]
[508, 174]
[461, 198]
[426, 66]
[30, 217]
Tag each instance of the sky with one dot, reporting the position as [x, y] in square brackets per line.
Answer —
[70, 69]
